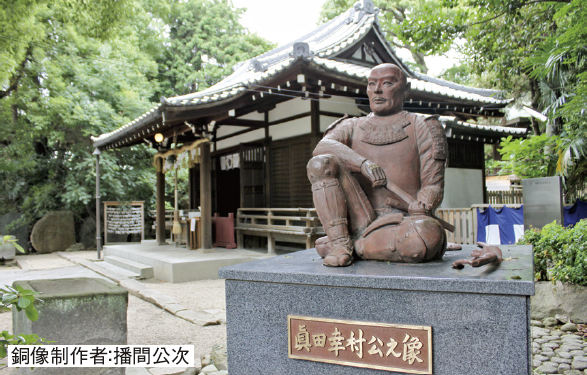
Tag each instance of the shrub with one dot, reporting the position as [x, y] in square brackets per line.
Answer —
[560, 254]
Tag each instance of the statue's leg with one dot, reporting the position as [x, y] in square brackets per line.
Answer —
[331, 206]
[415, 239]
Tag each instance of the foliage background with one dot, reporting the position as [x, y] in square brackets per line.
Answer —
[73, 68]
[560, 254]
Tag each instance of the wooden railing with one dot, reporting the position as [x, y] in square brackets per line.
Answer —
[168, 215]
[465, 222]
[285, 224]
[505, 197]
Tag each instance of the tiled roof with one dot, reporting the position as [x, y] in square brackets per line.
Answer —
[324, 44]
[488, 129]
[421, 85]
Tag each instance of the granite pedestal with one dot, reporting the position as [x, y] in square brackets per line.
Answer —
[479, 317]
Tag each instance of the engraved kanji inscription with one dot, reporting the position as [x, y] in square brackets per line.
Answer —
[394, 347]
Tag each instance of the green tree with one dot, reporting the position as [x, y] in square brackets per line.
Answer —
[77, 68]
[27, 23]
[423, 27]
[205, 41]
[69, 86]
[537, 47]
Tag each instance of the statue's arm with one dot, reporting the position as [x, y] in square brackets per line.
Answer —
[336, 141]
[433, 149]
[349, 158]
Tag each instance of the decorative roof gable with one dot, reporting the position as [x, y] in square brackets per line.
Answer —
[346, 47]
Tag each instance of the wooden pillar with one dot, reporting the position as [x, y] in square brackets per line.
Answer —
[160, 204]
[315, 122]
[484, 176]
[267, 142]
[205, 196]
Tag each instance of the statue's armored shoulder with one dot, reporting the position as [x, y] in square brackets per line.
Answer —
[345, 120]
[439, 143]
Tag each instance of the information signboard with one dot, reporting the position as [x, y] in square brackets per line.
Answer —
[543, 201]
[124, 218]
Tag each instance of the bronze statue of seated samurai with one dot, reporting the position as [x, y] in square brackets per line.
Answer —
[377, 179]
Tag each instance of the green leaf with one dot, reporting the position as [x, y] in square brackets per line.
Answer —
[23, 302]
[32, 313]
[18, 247]
[9, 298]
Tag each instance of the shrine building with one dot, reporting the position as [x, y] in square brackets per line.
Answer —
[256, 129]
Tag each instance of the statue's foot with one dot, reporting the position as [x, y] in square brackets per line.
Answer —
[341, 254]
[338, 260]
[323, 247]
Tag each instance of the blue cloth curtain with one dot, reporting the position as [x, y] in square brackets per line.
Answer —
[503, 226]
[575, 213]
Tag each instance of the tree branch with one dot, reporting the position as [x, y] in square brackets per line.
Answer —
[18, 75]
[396, 14]
[523, 5]
[410, 48]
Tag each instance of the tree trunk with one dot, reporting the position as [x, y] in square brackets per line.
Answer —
[419, 59]
[14, 114]
[535, 95]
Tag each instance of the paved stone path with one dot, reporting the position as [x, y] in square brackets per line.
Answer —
[555, 351]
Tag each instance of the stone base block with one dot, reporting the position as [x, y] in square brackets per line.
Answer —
[479, 317]
[77, 311]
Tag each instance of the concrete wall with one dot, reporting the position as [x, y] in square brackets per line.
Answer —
[462, 188]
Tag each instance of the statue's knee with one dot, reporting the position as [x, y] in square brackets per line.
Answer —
[321, 167]
[421, 240]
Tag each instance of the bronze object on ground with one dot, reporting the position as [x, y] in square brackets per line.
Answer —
[487, 254]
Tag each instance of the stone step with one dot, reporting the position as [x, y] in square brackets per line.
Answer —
[143, 270]
[113, 272]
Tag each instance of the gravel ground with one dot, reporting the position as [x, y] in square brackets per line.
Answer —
[195, 295]
[147, 323]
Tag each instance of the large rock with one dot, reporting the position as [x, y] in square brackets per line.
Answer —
[551, 299]
[87, 233]
[54, 232]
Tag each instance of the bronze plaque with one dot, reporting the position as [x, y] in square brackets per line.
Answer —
[381, 346]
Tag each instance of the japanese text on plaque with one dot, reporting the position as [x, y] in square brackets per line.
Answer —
[400, 348]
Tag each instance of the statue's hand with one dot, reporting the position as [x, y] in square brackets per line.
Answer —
[374, 173]
[418, 208]
[485, 255]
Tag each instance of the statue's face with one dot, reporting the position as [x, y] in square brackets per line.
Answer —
[386, 90]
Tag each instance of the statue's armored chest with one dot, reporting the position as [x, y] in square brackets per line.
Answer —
[388, 143]
[392, 144]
